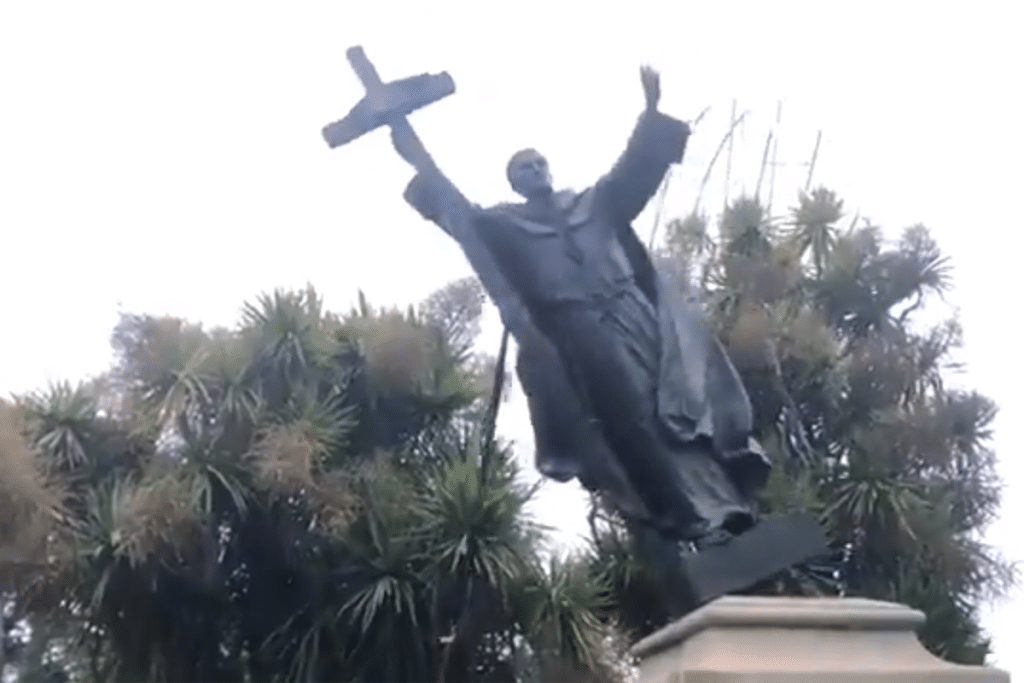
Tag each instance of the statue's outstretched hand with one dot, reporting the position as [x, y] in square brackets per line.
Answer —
[411, 149]
[404, 146]
[651, 81]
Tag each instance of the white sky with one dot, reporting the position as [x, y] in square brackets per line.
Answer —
[166, 157]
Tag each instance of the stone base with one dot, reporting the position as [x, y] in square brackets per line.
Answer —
[798, 640]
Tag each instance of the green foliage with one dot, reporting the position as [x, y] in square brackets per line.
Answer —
[288, 500]
[828, 319]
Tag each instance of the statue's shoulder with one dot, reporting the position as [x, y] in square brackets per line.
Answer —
[566, 199]
[505, 207]
[491, 221]
[504, 214]
[577, 208]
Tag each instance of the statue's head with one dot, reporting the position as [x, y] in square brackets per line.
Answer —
[528, 173]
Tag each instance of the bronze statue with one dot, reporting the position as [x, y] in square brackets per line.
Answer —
[628, 389]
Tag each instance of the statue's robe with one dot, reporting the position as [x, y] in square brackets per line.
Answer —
[628, 389]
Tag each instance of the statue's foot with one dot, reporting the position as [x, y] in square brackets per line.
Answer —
[732, 563]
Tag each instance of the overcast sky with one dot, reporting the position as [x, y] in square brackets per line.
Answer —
[166, 157]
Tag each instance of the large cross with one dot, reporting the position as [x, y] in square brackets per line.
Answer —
[387, 104]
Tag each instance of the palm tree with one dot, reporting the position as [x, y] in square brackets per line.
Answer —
[288, 500]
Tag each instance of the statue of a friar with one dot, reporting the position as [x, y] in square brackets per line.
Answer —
[628, 389]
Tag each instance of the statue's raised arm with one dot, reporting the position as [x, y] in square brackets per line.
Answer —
[431, 193]
[438, 200]
[657, 142]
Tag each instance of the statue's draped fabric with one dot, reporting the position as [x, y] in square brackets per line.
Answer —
[628, 389]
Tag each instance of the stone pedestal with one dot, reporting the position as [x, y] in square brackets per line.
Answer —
[798, 640]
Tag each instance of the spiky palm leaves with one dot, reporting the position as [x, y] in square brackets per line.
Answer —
[30, 507]
[306, 497]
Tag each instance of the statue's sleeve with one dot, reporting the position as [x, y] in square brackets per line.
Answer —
[437, 200]
[657, 142]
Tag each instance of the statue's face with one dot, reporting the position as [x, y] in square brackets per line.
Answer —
[529, 174]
